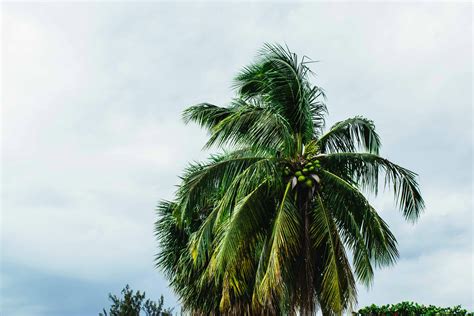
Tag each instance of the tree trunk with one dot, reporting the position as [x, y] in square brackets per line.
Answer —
[307, 277]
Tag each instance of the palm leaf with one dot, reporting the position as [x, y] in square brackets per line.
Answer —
[337, 289]
[363, 231]
[280, 80]
[202, 181]
[363, 169]
[252, 125]
[351, 135]
[248, 218]
[206, 115]
[283, 245]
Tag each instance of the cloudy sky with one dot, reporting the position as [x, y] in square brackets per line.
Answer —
[92, 136]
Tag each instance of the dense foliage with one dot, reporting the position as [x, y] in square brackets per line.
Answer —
[411, 309]
[265, 227]
[133, 303]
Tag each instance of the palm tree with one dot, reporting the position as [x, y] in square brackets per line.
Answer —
[265, 227]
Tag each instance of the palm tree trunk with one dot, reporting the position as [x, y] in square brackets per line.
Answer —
[307, 277]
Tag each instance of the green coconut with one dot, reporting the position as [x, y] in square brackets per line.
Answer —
[298, 173]
[301, 178]
[305, 170]
[311, 168]
[309, 183]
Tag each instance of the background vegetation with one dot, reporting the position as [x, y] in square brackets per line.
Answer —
[132, 304]
[411, 309]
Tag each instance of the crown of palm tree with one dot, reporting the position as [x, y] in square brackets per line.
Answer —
[264, 227]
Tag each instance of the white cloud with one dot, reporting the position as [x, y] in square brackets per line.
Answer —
[92, 96]
[441, 278]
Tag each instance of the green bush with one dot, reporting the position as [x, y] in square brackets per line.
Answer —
[133, 304]
[411, 309]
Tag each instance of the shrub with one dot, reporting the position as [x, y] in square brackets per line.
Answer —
[411, 309]
[133, 303]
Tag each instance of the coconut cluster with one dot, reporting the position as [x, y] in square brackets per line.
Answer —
[304, 174]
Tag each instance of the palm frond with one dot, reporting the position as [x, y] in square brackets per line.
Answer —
[169, 237]
[363, 169]
[202, 181]
[351, 135]
[337, 290]
[363, 232]
[252, 125]
[283, 245]
[247, 220]
[246, 182]
[280, 80]
[206, 115]
[201, 241]
[176, 263]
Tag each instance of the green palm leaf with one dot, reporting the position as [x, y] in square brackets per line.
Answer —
[363, 169]
[351, 135]
[363, 231]
[283, 245]
[337, 289]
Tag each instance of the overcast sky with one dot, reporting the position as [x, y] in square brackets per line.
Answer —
[92, 136]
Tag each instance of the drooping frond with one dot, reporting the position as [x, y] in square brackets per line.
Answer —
[363, 231]
[174, 260]
[201, 241]
[202, 181]
[282, 247]
[349, 228]
[238, 215]
[169, 237]
[363, 169]
[337, 290]
[246, 221]
[246, 182]
[351, 135]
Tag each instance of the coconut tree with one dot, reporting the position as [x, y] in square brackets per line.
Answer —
[268, 225]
